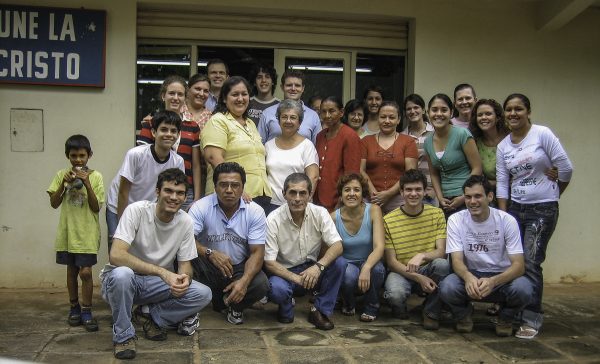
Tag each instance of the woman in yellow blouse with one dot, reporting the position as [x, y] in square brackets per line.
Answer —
[230, 136]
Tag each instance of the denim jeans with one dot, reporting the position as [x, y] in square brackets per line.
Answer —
[536, 223]
[398, 288]
[206, 273]
[112, 221]
[328, 287]
[350, 286]
[513, 296]
[122, 288]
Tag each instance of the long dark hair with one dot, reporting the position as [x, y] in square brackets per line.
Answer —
[226, 89]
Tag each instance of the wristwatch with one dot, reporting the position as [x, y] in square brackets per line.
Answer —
[208, 252]
[321, 266]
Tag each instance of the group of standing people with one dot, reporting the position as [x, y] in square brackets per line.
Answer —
[248, 168]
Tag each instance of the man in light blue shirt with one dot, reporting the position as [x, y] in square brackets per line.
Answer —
[230, 239]
[292, 85]
[218, 73]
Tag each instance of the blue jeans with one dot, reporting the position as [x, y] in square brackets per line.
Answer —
[350, 285]
[536, 223]
[112, 221]
[513, 296]
[328, 287]
[122, 288]
[398, 288]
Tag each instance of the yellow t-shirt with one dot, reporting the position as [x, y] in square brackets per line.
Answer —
[78, 228]
[242, 145]
[409, 235]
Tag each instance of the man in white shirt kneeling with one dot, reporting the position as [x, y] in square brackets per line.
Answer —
[487, 259]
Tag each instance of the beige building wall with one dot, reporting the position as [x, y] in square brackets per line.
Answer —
[493, 44]
[105, 116]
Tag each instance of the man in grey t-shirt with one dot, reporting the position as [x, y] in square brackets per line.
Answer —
[150, 236]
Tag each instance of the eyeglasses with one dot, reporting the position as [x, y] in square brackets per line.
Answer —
[226, 185]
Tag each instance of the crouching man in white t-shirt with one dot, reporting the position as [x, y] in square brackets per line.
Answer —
[487, 259]
[149, 237]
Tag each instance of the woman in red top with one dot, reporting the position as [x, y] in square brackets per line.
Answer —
[338, 147]
[385, 157]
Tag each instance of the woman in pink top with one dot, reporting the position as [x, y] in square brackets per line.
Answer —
[464, 99]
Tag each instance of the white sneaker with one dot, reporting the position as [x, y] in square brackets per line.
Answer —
[235, 317]
[188, 326]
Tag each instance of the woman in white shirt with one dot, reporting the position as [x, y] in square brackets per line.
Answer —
[290, 152]
[522, 161]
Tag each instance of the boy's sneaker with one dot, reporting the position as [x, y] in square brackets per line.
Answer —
[235, 317]
[126, 349]
[88, 320]
[188, 326]
[75, 315]
[154, 332]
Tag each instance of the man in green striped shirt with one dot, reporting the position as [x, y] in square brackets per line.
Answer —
[415, 250]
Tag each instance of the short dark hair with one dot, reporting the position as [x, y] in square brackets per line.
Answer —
[373, 88]
[464, 86]
[343, 181]
[478, 180]
[519, 96]
[417, 100]
[78, 141]
[229, 167]
[265, 68]
[445, 98]
[296, 178]
[411, 176]
[174, 175]
[336, 100]
[198, 77]
[217, 61]
[166, 117]
[292, 73]
[352, 105]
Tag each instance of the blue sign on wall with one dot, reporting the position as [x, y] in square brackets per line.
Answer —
[52, 46]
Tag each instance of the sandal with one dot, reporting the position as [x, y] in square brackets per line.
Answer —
[493, 310]
[348, 311]
[526, 332]
[367, 318]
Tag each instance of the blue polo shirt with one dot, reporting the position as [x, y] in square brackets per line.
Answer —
[229, 236]
[268, 126]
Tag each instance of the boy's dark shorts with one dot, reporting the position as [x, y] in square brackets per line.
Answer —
[76, 259]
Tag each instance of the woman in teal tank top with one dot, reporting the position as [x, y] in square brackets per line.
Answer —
[360, 225]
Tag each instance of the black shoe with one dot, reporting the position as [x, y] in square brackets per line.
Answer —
[285, 320]
[126, 349]
[154, 332]
[320, 321]
[88, 321]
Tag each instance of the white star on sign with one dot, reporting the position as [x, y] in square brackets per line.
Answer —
[92, 27]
